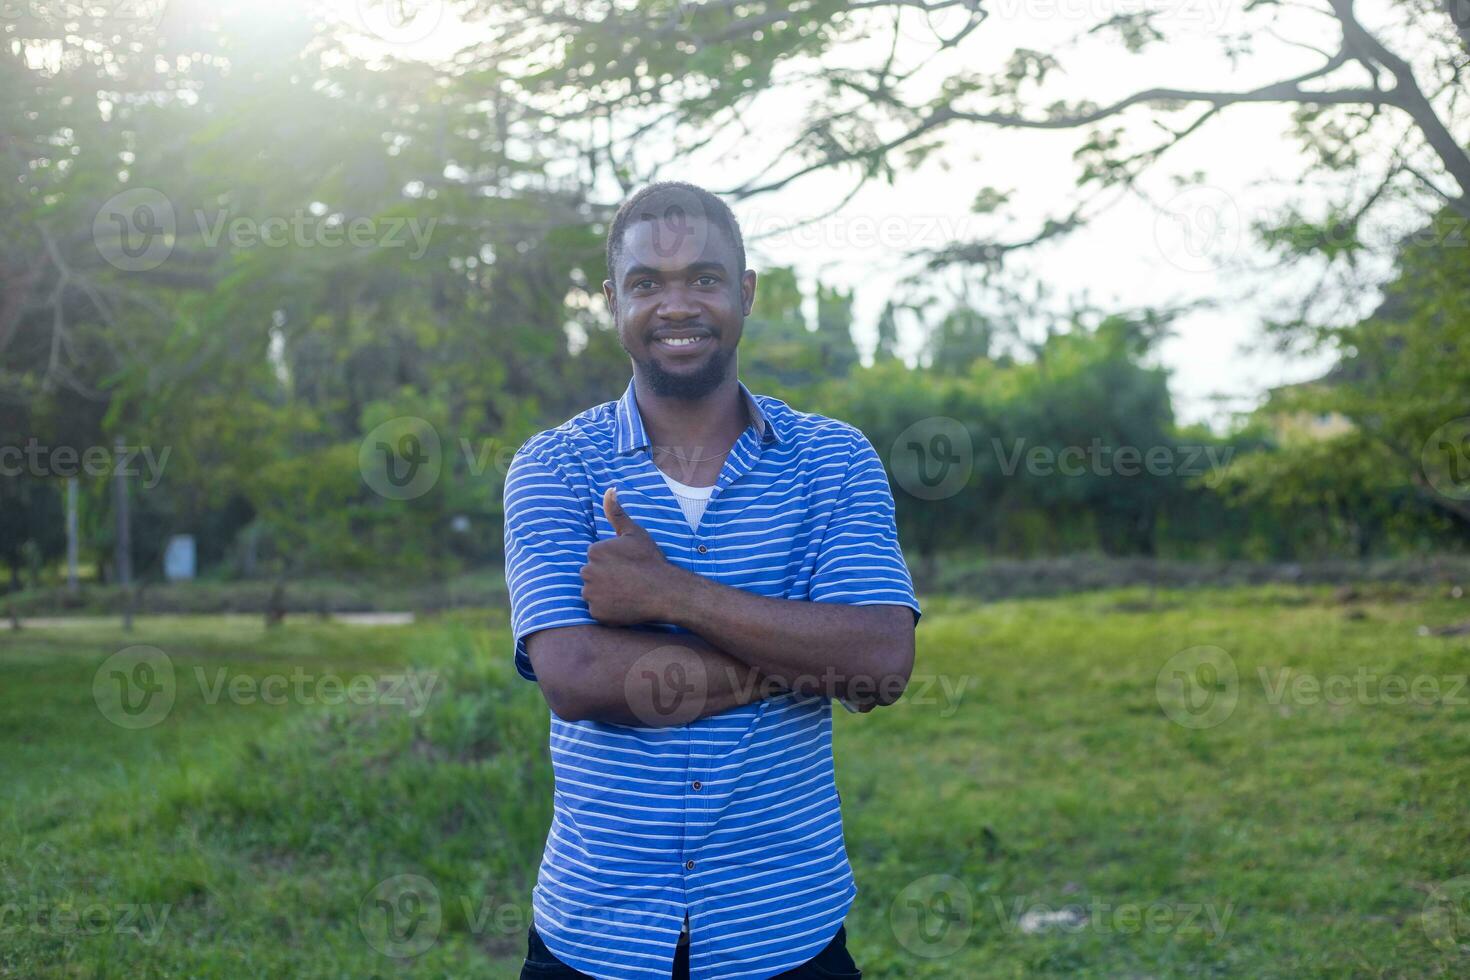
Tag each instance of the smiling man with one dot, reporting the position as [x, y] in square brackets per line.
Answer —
[695, 573]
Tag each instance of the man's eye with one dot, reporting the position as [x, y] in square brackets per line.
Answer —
[644, 283]
[707, 280]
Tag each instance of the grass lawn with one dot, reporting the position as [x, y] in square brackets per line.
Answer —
[1262, 782]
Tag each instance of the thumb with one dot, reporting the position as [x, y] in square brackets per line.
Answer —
[616, 516]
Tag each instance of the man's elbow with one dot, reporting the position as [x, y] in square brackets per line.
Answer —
[893, 665]
[566, 701]
[560, 668]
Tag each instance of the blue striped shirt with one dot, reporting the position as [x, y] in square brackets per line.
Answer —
[732, 819]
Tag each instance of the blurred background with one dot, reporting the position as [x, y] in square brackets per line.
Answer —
[1158, 313]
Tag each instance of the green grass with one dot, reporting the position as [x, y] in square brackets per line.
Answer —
[1301, 836]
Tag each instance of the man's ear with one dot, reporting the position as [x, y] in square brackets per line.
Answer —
[747, 290]
[610, 294]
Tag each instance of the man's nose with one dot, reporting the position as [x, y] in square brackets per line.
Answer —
[677, 304]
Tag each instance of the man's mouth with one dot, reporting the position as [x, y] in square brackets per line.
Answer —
[683, 343]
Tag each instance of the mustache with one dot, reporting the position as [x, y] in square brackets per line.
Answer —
[685, 328]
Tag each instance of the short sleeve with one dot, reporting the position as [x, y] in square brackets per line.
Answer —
[548, 530]
[860, 562]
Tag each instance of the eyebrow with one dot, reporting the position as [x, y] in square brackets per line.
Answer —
[645, 270]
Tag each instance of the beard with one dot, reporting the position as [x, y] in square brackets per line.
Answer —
[687, 385]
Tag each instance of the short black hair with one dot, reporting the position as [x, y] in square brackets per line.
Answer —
[649, 202]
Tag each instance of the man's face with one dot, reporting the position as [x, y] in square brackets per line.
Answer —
[680, 303]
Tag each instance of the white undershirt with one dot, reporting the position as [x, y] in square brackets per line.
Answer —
[692, 500]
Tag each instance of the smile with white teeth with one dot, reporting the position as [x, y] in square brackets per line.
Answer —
[682, 341]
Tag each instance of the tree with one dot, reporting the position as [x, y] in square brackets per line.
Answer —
[31, 529]
[1404, 373]
[963, 336]
[697, 67]
[262, 342]
[838, 353]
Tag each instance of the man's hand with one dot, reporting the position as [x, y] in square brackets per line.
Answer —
[627, 579]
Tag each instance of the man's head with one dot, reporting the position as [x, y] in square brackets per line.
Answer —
[677, 287]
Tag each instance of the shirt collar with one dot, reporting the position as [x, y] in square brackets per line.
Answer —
[632, 435]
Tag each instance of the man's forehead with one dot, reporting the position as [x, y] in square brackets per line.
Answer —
[676, 242]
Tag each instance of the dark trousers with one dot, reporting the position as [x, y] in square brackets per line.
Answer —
[832, 963]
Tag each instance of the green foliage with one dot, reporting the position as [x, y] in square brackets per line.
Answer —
[779, 353]
[270, 340]
[1403, 374]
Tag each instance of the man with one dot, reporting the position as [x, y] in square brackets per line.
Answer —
[695, 572]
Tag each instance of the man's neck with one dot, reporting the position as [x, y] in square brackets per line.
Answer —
[698, 427]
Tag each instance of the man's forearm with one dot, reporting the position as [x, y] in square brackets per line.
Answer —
[625, 676]
[864, 653]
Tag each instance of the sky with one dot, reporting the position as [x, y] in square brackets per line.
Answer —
[1170, 245]
[1178, 245]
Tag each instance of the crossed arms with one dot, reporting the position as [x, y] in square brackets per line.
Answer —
[743, 647]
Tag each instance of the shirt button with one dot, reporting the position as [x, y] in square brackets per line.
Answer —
[688, 865]
[702, 549]
[697, 784]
